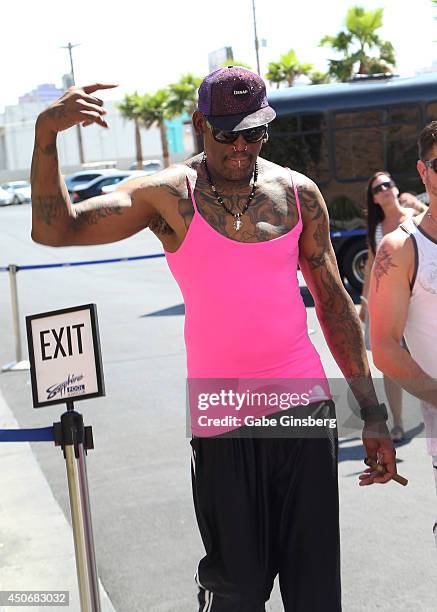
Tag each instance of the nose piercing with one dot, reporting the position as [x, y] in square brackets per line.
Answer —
[235, 149]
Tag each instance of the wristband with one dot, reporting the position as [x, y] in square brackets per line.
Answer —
[376, 412]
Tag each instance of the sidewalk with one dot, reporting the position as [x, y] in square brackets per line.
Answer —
[36, 541]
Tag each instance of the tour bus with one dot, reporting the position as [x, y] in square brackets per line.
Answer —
[340, 134]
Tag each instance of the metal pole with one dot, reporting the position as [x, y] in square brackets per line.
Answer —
[15, 310]
[256, 39]
[70, 47]
[72, 425]
[18, 364]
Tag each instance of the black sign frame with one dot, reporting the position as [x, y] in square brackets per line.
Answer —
[92, 308]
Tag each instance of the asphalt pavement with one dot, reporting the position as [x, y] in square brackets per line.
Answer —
[146, 538]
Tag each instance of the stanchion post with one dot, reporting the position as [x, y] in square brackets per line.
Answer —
[19, 363]
[75, 440]
[15, 310]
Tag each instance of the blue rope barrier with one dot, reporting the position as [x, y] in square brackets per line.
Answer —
[67, 264]
[43, 434]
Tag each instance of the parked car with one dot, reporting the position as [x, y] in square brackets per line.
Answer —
[149, 166]
[20, 191]
[6, 197]
[132, 174]
[83, 177]
[94, 188]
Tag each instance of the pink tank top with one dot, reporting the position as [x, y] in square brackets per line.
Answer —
[244, 314]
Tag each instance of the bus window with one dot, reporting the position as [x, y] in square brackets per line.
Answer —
[288, 124]
[303, 148]
[403, 114]
[359, 118]
[312, 123]
[359, 152]
[402, 149]
[431, 111]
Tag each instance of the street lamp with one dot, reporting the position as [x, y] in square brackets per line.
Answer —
[256, 38]
[69, 46]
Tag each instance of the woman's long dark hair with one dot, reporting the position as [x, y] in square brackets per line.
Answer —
[375, 214]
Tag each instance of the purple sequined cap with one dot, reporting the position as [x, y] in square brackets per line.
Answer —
[234, 98]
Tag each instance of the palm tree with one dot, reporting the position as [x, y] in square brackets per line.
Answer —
[287, 69]
[317, 77]
[129, 110]
[275, 74]
[153, 110]
[357, 42]
[183, 99]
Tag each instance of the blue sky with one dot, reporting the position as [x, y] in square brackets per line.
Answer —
[146, 45]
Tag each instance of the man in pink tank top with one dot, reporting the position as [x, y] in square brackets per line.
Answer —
[234, 228]
[403, 300]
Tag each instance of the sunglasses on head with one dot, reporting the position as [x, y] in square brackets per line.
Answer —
[381, 186]
[431, 163]
[251, 135]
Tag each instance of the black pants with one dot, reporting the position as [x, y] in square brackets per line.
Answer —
[268, 506]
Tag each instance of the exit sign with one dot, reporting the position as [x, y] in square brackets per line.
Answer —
[64, 354]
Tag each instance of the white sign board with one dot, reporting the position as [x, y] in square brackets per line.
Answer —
[64, 355]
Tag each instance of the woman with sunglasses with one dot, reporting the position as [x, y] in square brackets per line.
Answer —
[384, 214]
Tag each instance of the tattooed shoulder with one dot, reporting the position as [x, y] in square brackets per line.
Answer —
[310, 198]
[172, 180]
[383, 263]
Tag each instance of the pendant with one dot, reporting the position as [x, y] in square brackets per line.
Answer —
[237, 223]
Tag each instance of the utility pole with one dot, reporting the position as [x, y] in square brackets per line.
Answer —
[256, 38]
[69, 46]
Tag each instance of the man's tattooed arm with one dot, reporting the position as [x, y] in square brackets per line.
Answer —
[57, 222]
[334, 307]
[389, 302]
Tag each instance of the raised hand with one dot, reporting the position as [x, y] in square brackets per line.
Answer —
[76, 105]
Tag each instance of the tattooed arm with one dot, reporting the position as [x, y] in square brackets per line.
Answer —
[335, 309]
[340, 324]
[388, 308]
[55, 221]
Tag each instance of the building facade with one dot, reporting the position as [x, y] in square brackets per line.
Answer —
[116, 144]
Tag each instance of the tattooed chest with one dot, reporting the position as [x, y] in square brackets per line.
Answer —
[268, 216]
[265, 218]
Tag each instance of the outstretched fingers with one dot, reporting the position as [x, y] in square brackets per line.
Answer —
[88, 117]
[94, 105]
[96, 86]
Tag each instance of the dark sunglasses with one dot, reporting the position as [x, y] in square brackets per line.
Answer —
[431, 163]
[251, 135]
[384, 185]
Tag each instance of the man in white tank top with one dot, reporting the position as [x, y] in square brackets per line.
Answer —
[403, 300]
